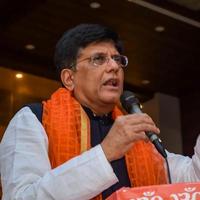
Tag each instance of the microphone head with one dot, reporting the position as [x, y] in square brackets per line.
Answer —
[128, 99]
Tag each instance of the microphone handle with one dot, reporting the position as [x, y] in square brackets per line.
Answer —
[157, 143]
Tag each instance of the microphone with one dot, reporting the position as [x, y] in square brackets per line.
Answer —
[131, 104]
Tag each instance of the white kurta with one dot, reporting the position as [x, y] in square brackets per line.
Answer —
[27, 175]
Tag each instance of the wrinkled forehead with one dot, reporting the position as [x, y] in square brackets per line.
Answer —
[104, 47]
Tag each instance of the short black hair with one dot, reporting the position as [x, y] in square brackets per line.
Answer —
[74, 39]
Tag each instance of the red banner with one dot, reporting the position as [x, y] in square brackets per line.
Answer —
[179, 191]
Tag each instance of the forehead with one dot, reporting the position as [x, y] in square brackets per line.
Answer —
[99, 47]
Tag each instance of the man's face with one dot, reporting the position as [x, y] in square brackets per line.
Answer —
[98, 85]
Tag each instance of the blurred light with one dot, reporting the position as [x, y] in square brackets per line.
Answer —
[159, 28]
[19, 75]
[30, 47]
[95, 5]
[145, 82]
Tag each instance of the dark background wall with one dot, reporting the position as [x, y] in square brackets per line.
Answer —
[190, 120]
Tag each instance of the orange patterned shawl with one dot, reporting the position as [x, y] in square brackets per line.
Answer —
[68, 130]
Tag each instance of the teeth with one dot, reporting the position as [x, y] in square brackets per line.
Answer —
[112, 82]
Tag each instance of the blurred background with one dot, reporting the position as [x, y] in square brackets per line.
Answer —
[161, 39]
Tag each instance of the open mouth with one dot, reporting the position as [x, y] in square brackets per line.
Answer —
[112, 83]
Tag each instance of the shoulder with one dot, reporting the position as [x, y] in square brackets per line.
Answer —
[24, 114]
[24, 124]
[37, 109]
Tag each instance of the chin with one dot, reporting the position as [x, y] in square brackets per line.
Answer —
[111, 99]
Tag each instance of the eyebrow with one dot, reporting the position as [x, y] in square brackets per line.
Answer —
[96, 53]
[103, 53]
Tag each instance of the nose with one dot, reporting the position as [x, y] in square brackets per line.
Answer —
[112, 65]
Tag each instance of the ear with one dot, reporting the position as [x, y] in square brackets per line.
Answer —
[67, 78]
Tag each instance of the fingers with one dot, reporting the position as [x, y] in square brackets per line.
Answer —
[125, 131]
[136, 123]
[138, 118]
[142, 127]
[137, 136]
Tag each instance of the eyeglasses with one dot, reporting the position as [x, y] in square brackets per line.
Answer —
[101, 58]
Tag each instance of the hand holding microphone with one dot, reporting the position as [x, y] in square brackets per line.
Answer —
[131, 104]
[126, 130]
[130, 128]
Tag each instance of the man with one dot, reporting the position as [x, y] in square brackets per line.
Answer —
[85, 147]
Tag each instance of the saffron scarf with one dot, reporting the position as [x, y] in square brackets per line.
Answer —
[68, 130]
